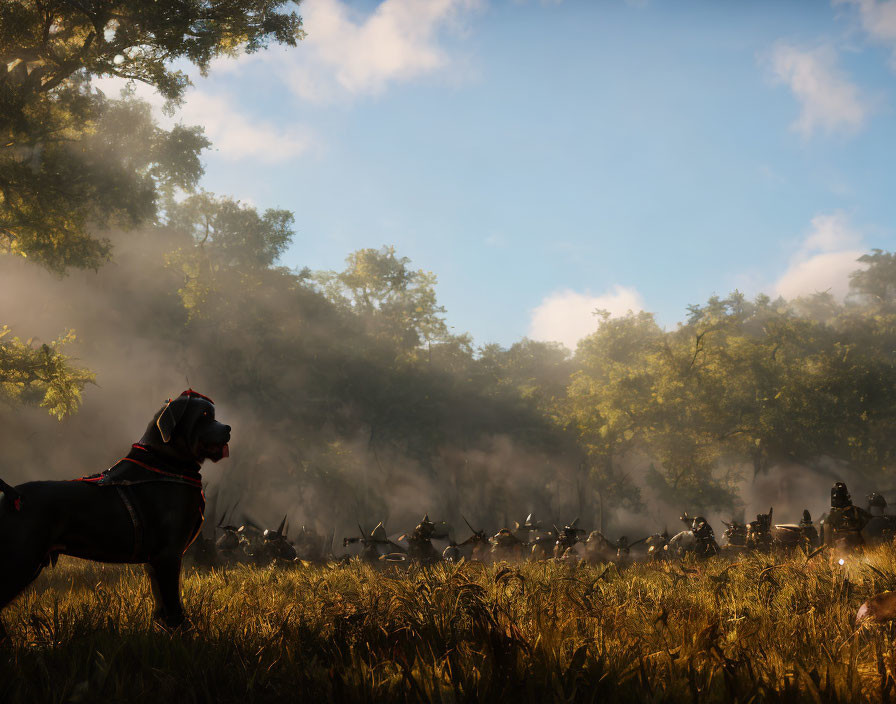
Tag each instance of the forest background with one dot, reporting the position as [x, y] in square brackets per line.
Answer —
[122, 282]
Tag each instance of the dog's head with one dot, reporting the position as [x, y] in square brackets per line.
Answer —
[186, 428]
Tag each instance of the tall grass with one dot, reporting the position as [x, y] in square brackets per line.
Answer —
[766, 628]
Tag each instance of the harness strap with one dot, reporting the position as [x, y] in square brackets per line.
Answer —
[138, 527]
[176, 477]
[100, 481]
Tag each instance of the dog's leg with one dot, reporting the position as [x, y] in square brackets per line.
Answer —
[17, 570]
[164, 577]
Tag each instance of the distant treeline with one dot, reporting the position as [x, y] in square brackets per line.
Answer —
[355, 399]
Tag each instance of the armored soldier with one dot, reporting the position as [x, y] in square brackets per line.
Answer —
[706, 545]
[759, 532]
[795, 535]
[543, 546]
[452, 553]
[598, 548]
[375, 545]
[420, 547]
[567, 538]
[506, 546]
[251, 539]
[526, 532]
[228, 545]
[656, 544]
[843, 526]
[309, 545]
[879, 528]
[275, 547]
[735, 537]
[477, 546]
[808, 533]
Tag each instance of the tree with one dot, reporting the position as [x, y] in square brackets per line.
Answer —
[395, 302]
[67, 167]
[875, 285]
[73, 162]
[40, 375]
[231, 233]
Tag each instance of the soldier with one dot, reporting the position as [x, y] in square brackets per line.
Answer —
[879, 528]
[525, 532]
[275, 548]
[506, 546]
[375, 545]
[543, 546]
[598, 549]
[567, 538]
[452, 553]
[309, 545]
[843, 527]
[759, 532]
[808, 533]
[623, 549]
[656, 544]
[420, 547]
[228, 544]
[793, 535]
[251, 540]
[477, 545]
[735, 537]
[706, 545]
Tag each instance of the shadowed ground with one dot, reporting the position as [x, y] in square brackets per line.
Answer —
[537, 632]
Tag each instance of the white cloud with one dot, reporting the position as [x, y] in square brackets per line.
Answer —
[234, 134]
[347, 53]
[237, 136]
[828, 100]
[878, 18]
[567, 316]
[825, 259]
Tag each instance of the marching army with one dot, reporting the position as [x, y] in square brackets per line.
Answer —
[845, 527]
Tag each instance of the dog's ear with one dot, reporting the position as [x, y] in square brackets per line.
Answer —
[170, 417]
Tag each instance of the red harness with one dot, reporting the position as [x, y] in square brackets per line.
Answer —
[103, 479]
[122, 484]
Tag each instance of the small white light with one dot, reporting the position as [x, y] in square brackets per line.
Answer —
[841, 561]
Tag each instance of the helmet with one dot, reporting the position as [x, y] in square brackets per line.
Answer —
[876, 500]
[702, 529]
[840, 497]
[425, 528]
[807, 518]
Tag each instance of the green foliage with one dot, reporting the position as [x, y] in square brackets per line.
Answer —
[40, 374]
[743, 383]
[135, 39]
[87, 164]
[232, 234]
[875, 285]
[395, 303]
[72, 162]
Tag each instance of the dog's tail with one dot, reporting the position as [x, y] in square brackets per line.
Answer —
[13, 497]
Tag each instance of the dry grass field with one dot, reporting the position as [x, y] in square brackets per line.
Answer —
[765, 628]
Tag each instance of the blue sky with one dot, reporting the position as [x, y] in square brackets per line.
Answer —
[548, 158]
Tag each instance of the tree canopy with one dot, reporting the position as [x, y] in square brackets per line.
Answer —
[75, 164]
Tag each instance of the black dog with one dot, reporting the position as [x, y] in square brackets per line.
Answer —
[147, 508]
